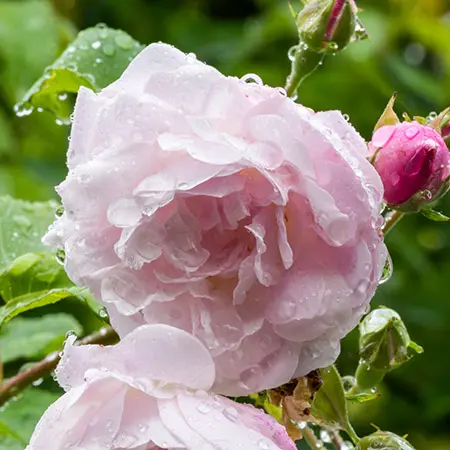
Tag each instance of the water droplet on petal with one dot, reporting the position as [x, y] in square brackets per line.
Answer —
[387, 270]
[231, 413]
[346, 117]
[252, 78]
[203, 408]
[412, 132]
[59, 211]
[60, 256]
[262, 444]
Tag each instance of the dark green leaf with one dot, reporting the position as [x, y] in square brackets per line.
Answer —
[96, 58]
[21, 415]
[22, 225]
[34, 337]
[434, 215]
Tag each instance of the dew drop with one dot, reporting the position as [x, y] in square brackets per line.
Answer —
[281, 91]
[432, 115]
[302, 425]
[291, 53]
[412, 132]
[60, 256]
[387, 270]
[203, 408]
[231, 413]
[252, 78]
[346, 117]
[325, 436]
[59, 211]
[124, 41]
[108, 49]
[38, 382]
[362, 286]
[263, 445]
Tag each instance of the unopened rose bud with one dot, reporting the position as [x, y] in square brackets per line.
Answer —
[328, 25]
[383, 346]
[413, 162]
[383, 440]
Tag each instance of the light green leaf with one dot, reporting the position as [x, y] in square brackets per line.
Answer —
[34, 337]
[32, 35]
[22, 225]
[6, 431]
[363, 397]
[329, 407]
[434, 215]
[22, 414]
[96, 58]
[34, 280]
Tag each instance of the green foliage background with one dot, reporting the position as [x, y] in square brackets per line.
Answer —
[408, 52]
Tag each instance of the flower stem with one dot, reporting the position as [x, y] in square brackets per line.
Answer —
[390, 220]
[305, 63]
[44, 367]
[311, 439]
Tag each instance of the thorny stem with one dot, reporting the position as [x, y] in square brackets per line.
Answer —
[391, 219]
[47, 365]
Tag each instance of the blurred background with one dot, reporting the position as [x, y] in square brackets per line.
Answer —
[408, 52]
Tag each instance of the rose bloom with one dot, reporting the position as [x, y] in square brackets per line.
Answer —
[223, 208]
[149, 392]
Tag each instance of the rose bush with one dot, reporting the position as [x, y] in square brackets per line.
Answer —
[143, 393]
[223, 208]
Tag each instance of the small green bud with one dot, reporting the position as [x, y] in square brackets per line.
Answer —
[383, 440]
[384, 340]
[327, 26]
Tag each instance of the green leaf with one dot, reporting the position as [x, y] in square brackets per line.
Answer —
[35, 280]
[96, 58]
[22, 414]
[34, 337]
[32, 35]
[22, 225]
[329, 407]
[388, 117]
[6, 431]
[434, 215]
[363, 397]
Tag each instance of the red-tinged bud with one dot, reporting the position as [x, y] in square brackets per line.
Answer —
[413, 162]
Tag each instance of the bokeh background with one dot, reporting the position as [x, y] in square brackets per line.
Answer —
[408, 52]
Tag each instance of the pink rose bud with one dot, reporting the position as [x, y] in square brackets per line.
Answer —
[413, 162]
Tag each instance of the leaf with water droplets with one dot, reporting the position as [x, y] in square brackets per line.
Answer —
[35, 337]
[22, 225]
[34, 280]
[96, 58]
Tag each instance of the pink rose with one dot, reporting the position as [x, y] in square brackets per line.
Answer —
[410, 158]
[223, 208]
[147, 392]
